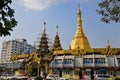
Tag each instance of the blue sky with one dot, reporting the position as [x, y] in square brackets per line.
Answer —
[31, 15]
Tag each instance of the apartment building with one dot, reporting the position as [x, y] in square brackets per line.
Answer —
[17, 46]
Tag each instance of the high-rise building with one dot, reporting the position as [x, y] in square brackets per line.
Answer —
[17, 46]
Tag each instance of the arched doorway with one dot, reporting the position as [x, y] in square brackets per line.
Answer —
[34, 69]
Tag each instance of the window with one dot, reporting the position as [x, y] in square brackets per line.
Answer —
[66, 72]
[88, 60]
[76, 72]
[99, 60]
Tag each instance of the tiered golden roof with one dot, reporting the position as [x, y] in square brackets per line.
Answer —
[56, 44]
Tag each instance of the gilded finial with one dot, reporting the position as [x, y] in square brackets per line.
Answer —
[79, 9]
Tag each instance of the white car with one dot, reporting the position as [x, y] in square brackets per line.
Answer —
[102, 77]
[63, 79]
[50, 76]
[53, 77]
[7, 76]
[20, 76]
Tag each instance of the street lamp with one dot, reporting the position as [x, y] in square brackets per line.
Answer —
[114, 73]
[38, 68]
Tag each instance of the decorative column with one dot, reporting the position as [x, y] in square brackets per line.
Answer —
[38, 74]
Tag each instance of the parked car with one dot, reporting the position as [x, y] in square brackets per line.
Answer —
[21, 77]
[102, 77]
[32, 78]
[7, 76]
[63, 79]
[53, 77]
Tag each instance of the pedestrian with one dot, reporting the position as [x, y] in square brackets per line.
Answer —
[95, 78]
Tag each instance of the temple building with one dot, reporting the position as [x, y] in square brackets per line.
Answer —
[80, 59]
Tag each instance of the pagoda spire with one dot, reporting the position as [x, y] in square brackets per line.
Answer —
[43, 44]
[57, 30]
[79, 31]
[79, 38]
[108, 44]
[56, 44]
[44, 27]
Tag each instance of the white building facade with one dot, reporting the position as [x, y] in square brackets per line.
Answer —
[17, 46]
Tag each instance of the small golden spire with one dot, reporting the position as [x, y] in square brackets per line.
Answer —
[78, 9]
[79, 24]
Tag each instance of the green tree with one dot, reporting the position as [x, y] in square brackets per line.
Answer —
[109, 10]
[7, 20]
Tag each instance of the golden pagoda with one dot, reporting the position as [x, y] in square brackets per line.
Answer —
[79, 39]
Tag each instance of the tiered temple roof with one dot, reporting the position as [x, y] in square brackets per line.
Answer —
[56, 44]
[43, 44]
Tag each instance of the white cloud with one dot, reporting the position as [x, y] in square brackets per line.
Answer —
[38, 4]
[43, 4]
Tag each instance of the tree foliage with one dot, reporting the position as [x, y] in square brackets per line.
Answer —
[7, 20]
[109, 10]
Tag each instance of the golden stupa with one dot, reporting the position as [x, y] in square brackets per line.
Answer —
[79, 40]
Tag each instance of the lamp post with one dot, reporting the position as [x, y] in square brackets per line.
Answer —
[38, 68]
[114, 73]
